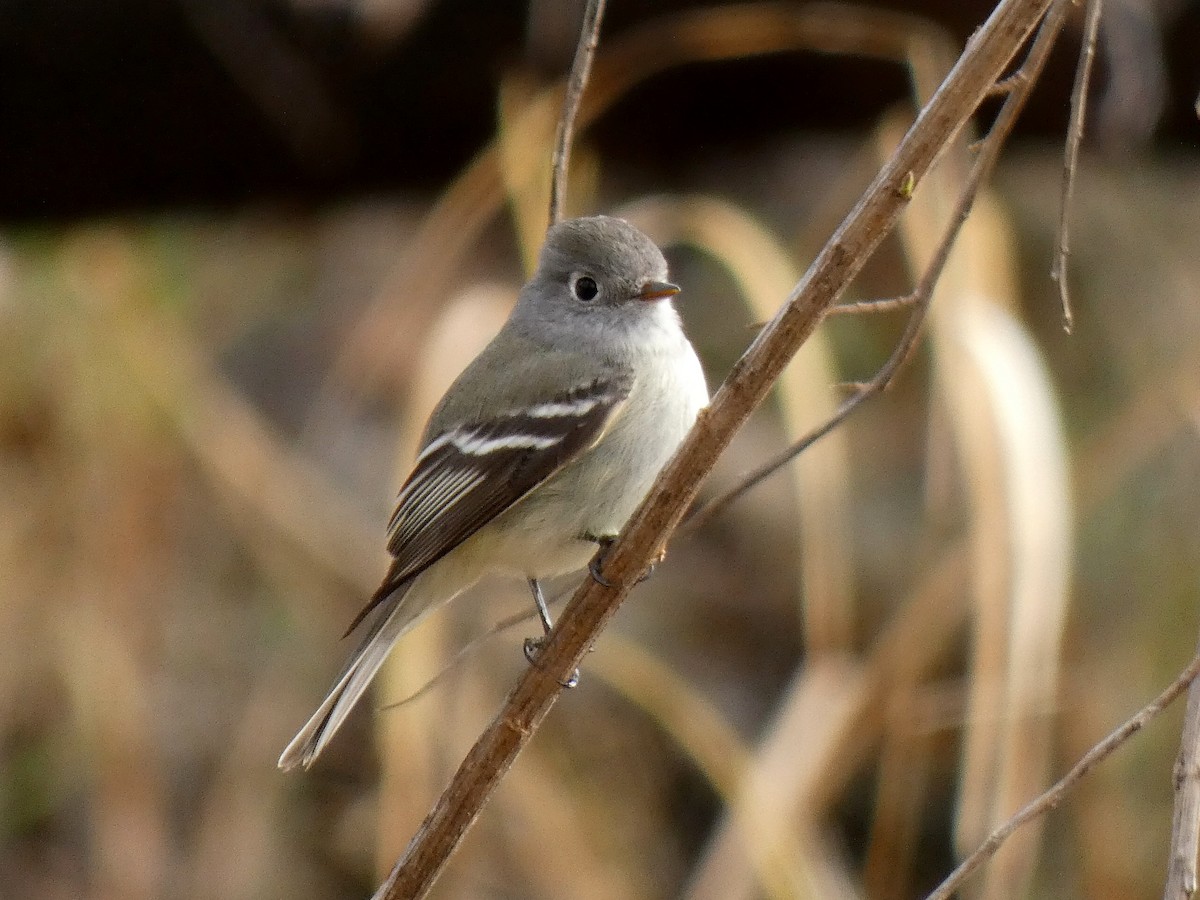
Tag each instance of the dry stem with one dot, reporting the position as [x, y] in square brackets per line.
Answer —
[581, 66]
[881, 304]
[1052, 797]
[1182, 882]
[1079, 93]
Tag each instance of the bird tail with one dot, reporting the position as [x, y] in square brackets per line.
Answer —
[399, 615]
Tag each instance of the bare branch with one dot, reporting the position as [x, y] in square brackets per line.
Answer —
[1054, 796]
[989, 51]
[863, 307]
[589, 38]
[1018, 87]
[1079, 94]
[1182, 880]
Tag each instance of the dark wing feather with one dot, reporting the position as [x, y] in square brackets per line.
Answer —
[470, 474]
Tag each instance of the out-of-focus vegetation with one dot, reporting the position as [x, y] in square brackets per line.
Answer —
[829, 691]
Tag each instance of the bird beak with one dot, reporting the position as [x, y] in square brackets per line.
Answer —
[657, 290]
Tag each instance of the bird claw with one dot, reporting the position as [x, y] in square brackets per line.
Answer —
[533, 648]
[598, 561]
[594, 569]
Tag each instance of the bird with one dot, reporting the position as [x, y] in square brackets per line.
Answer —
[542, 448]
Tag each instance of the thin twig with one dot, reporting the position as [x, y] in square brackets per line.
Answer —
[1006, 86]
[868, 307]
[581, 66]
[1054, 796]
[989, 51]
[1182, 881]
[1019, 87]
[1079, 94]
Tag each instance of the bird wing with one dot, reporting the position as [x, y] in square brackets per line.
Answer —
[471, 473]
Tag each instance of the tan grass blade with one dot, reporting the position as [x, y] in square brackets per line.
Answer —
[917, 640]
[779, 861]
[773, 803]
[1011, 458]
[525, 144]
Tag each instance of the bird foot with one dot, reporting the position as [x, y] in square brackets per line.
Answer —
[533, 649]
[598, 560]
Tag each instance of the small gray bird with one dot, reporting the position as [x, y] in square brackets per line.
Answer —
[541, 449]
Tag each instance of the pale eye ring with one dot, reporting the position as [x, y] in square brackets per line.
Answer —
[585, 288]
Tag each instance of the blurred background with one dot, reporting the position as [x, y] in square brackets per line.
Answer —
[247, 243]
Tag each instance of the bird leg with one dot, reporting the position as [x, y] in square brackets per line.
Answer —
[533, 646]
[543, 610]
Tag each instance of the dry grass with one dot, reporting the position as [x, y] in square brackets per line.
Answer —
[829, 692]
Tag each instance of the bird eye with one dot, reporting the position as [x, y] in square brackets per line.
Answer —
[585, 288]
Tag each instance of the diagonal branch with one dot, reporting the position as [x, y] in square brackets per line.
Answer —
[987, 54]
[1052, 797]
